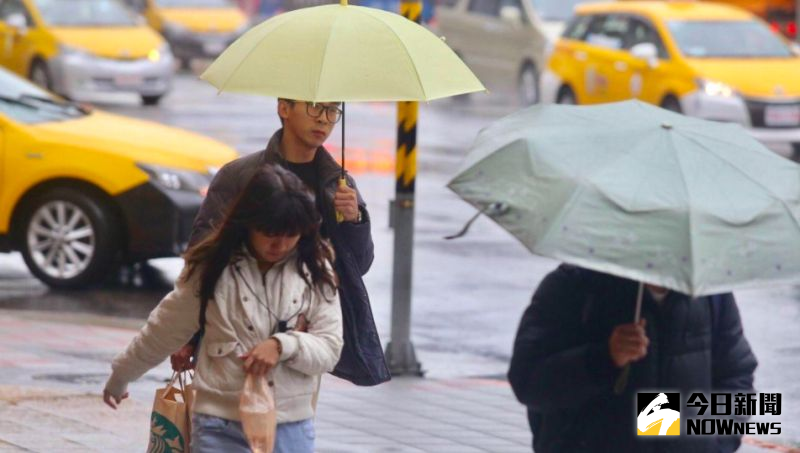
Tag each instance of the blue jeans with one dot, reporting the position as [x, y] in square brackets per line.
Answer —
[213, 435]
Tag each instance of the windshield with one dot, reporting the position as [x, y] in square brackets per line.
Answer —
[86, 13]
[24, 102]
[712, 39]
[557, 10]
[194, 3]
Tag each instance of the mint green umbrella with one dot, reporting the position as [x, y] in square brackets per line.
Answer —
[639, 192]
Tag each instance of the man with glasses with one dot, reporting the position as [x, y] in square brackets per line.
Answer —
[297, 146]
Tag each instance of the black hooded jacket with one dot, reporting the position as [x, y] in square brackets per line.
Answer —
[562, 370]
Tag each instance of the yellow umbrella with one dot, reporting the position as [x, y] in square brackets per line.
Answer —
[342, 53]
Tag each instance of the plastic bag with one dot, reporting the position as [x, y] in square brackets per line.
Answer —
[258, 413]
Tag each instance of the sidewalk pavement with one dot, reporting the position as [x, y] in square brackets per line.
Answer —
[52, 372]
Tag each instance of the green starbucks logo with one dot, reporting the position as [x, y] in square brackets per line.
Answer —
[164, 436]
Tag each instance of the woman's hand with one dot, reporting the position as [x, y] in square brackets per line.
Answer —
[262, 358]
[111, 400]
[182, 360]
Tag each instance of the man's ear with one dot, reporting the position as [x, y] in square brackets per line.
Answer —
[283, 109]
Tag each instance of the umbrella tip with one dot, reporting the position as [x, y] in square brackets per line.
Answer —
[666, 126]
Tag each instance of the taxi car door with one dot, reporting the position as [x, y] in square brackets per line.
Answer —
[649, 77]
[605, 63]
[16, 27]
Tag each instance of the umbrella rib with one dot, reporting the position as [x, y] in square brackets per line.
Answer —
[246, 57]
[743, 173]
[690, 214]
[325, 57]
[408, 54]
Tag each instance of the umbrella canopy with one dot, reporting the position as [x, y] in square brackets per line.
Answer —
[639, 192]
[345, 53]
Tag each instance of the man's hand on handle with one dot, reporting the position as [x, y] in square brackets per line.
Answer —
[628, 343]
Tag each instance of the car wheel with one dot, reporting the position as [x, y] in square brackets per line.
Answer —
[672, 104]
[40, 75]
[528, 85]
[566, 96]
[151, 100]
[68, 239]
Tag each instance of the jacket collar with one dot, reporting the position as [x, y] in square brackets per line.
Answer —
[327, 168]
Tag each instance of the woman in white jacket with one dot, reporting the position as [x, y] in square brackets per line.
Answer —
[263, 272]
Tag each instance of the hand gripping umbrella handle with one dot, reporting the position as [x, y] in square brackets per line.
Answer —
[339, 215]
[622, 379]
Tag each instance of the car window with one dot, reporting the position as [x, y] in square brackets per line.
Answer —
[557, 10]
[10, 7]
[86, 13]
[711, 39]
[640, 32]
[24, 102]
[485, 7]
[609, 32]
[577, 27]
[447, 3]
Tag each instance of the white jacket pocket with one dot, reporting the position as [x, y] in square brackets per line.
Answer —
[225, 370]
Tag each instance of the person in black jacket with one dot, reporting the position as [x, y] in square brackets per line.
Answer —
[576, 337]
[298, 148]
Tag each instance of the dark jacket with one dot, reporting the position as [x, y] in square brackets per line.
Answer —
[562, 369]
[362, 361]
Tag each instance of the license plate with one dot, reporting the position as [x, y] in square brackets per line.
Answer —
[214, 48]
[128, 80]
[782, 115]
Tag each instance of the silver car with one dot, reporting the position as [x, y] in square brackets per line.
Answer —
[505, 42]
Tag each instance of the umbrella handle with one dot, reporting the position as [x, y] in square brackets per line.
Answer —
[622, 379]
[339, 215]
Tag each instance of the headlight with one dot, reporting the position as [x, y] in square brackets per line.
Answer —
[69, 51]
[174, 29]
[178, 179]
[719, 89]
[156, 55]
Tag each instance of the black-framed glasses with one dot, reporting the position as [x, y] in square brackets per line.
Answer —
[332, 113]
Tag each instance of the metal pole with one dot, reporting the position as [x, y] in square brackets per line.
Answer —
[400, 351]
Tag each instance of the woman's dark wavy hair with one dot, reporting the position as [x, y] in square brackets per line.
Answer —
[274, 202]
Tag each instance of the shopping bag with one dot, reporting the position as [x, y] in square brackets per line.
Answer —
[258, 413]
[170, 421]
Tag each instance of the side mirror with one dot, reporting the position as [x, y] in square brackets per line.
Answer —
[511, 14]
[18, 22]
[646, 51]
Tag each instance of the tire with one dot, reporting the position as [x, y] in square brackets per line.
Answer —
[68, 239]
[672, 104]
[795, 152]
[566, 96]
[528, 85]
[40, 75]
[151, 100]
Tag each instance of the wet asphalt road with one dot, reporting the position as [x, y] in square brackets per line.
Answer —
[468, 294]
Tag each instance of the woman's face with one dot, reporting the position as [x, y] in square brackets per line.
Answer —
[272, 248]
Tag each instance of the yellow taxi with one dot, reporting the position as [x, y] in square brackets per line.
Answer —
[194, 28]
[81, 191]
[78, 48]
[702, 59]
